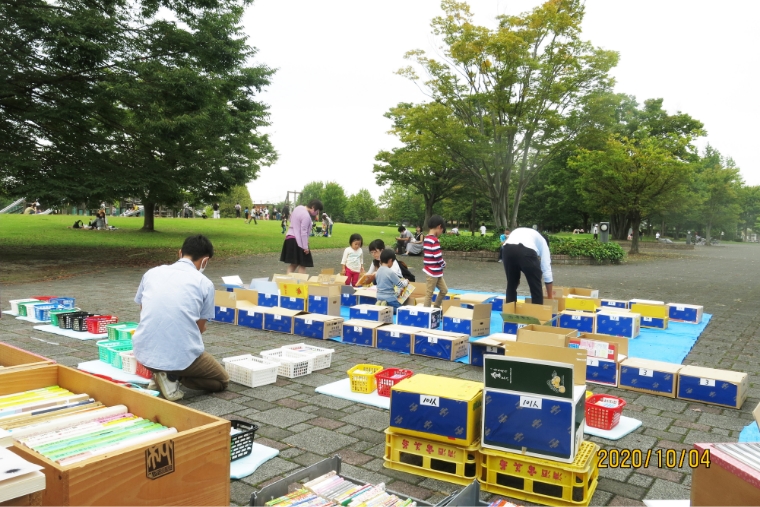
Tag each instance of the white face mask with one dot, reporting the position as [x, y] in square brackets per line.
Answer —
[203, 266]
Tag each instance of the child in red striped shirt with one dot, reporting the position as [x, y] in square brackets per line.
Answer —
[433, 262]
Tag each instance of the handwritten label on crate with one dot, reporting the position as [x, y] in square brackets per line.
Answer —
[432, 339]
[363, 311]
[222, 309]
[707, 382]
[647, 319]
[317, 298]
[278, 317]
[645, 372]
[292, 300]
[457, 321]
[395, 334]
[357, 329]
[159, 460]
[429, 401]
[413, 313]
[680, 308]
[576, 317]
[592, 362]
[308, 322]
[614, 318]
[530, 402]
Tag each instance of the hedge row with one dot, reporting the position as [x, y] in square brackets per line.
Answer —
[558, 246]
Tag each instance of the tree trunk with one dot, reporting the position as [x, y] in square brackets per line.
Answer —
[662, 228]
[428, 213]
[708, 228]
[635, 223]
[472, 217]
[148, 218]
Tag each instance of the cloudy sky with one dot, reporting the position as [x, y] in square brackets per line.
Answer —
[336, 62]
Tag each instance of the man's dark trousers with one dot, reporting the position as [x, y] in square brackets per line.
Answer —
[521, 259]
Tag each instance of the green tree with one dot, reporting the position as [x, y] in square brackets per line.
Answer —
[514, 90]
[633, 178]
[361, 206]
[238, 194]
[423, 164]
[719, 182]
[401, 204]
[128, 104]
[312, 190]
[335, 201]
[749, 199]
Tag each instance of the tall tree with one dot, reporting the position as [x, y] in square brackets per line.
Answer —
[513, 89]
[719, 182]
[112, 100]
[312, 190]
[749, 198]
[238, 194]
[361, 206]
[423, 163]
[633, 178]
[335, 201]
[402, 203]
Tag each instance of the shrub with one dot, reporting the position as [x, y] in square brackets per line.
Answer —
[558, 246]
[469, 243]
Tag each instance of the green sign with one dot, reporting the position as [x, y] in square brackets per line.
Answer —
[546, 378]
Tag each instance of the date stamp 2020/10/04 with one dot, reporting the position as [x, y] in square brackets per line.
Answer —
[661, 458]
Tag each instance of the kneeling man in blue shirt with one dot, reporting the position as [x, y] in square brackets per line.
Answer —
[175, 302]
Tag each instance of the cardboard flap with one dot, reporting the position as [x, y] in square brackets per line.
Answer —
[489, 341]
[299, 277]
[457, 312]
[575, 357]
[324, 290]
[558, 305]
[541, 338]
[714, 374]
[418, 289]
[473, 298]
[502, 337]
[250, 307]
[366, 292]
[646, 302]
[395, 328]
[541, 313]
[635, 362]
[446, 334]
[250, 296]
[224, 299]
[549, 329]
[263, 286]
[646, 310]
[277, 310]
[232, 280]
[578, 291]
[319, 317]
[372, 324]
[622, 343]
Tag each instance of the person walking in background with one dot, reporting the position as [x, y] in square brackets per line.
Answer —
[237, 210]
[246, 213]
[526, 251]
[286, 213]
[433, 262]
[596, 231]
[328, 220]
[482, 229]
[352, 264]
[215, 207]
[284, 224]
[295, 249]
[253, 217]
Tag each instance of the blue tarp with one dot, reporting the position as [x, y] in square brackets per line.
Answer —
[750, 433]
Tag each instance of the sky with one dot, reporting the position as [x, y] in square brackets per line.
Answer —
[336, 62]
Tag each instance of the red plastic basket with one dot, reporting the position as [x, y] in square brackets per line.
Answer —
[97, 324]
[388, 378]
[44, 298]
[601, 416]
[142, 371]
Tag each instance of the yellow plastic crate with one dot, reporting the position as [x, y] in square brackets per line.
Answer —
[428, 458]
[363, 378]
[539, 480]
[582, 304]
[655, 311]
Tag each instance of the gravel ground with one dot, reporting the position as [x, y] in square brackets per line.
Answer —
[307, 428]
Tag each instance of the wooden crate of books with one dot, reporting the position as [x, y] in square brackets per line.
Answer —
[14, 359]
[190, 467]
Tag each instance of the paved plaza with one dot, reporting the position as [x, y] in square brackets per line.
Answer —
[306, 427]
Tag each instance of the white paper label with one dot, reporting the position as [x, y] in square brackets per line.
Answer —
[357, 329]
[592, 362]
[521, 325]
[491, 348]
[647, 319]
[576, 317]
[432, 339]
[614, 318]
[429, 401]
[413, 313]
[530, 402]
[707, 382]
[278, 317]
[645, 372]
[317, 298]
[363, 311]
[292, 300]
[309, 322]
[680, 308]
[222, 309]
[457, 321]
[395, 334]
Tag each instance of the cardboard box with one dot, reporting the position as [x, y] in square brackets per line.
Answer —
[650, 310]
[437, 408]
[534, 425]
[558, 305]
[539, 354]
[199, 454]
[294, 303]
[317, 325]
[615, 303]
[720, 479]
[497, 305]
[647, 376]
[269, 300]
[419, 289]
[324, 299]
[396, 338]
[493, 344]
[474, 321]
[419, 316]
[708, 385]
[654, 322]
[224, 307]
[280, 319]
[348, 296]
[372, 312]
[582, 304]
[553, 339]
[615, 323]
[297, 277]
[517, 315]
[247, 295]
[685, 313]
[440, 344]
[366, 296]
[584, 322]
[645, 302]
[361, 332]
[564, 331]
[558, 292]
[473, 298]
[14, 359]
[250, 315]
[605, 353]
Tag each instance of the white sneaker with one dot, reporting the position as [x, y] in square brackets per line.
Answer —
[169, 389]
[152, 385]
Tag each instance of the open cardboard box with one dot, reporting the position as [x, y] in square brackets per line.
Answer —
[473, 319]
[575, 357]
[225, 307]
[493, 344]
[247, 295]
[191, 467]
[558, 292]
[15, 359]
[605, 353]
[517, 315]
[546, 335]
[558, 305]
[324, 299]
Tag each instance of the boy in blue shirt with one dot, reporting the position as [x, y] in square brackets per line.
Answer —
[387, 279]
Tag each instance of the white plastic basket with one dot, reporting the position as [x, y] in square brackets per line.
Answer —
[14, 303]
[292, 364]
[251, 371]
[128, 361]
[322, 356]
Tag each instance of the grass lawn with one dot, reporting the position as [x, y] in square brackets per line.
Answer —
[47, 243]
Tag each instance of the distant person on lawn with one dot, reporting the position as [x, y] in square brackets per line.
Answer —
[176, 301]
[295, 249]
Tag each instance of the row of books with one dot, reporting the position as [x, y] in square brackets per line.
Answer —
[331, 489]
[67, 428]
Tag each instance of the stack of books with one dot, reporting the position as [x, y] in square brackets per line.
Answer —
[18, 477]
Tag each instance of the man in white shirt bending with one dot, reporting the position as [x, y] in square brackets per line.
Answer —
[526, 251]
